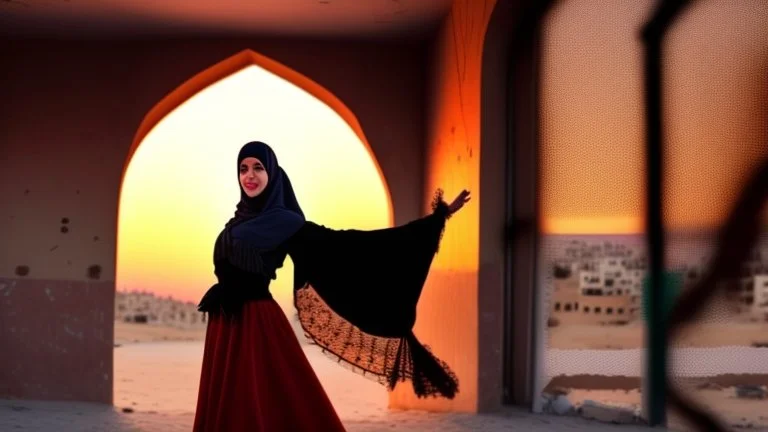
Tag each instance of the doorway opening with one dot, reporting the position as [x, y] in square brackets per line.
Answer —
[180, 187]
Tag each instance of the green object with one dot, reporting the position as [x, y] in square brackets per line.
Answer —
[673, 284]
[657, 350]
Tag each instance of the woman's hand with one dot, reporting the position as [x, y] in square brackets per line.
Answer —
[459, 202]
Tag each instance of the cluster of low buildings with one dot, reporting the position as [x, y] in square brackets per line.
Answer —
[602, 282]
[752, 284]
[597, 283]
[147, 308]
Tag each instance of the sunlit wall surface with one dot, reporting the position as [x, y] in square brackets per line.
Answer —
[448, 315]
[181, 185]
[716, 102]
[592, 202]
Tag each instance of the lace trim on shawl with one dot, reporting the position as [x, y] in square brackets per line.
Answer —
[384, 360]
[440, 207]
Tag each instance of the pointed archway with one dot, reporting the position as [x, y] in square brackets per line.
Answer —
[182, 98]
[229, 66]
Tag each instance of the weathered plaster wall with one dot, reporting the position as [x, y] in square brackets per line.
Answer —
[68, 115]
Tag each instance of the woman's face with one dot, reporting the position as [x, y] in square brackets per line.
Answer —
[253, 177]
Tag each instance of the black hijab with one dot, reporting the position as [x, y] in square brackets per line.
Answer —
[278, 196]
[264, 222]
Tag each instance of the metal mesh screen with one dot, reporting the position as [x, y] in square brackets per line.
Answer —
[593, 256]
[593, 260]
[716, 121]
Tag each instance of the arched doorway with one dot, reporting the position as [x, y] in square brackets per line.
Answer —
[179, 187]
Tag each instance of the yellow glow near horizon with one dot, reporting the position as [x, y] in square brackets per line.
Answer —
[594, 225]
[181, 184]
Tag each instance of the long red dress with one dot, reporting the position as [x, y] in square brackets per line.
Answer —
[255, 377]
[356, 294]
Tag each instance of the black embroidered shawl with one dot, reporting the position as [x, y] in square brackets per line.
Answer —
[356, 294]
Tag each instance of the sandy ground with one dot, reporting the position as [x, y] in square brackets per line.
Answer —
[136, 378]
[127, 333]
[631, 336]
[158, 382]
[157, 371]
[740, 413]
[82, 417]
[561, 337]
[716, 392]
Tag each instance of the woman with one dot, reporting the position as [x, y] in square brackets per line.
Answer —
[355, 293]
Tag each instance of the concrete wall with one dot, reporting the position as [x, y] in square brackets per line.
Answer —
[449, 319]
[69, 112]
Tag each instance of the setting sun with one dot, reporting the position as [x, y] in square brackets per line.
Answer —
[181, 184]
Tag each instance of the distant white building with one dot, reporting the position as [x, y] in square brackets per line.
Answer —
[143, 307]
[589, 265]
[619, 278]
[631, 283]
[590, 283]
[637, 277]
[611, 267]
[609, 276]
[760, 290]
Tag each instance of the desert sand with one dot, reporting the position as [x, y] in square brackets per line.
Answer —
[127, 333]
[632, 335]
[157, 383]
[717, 393]
[741, 413]
[713, 392]
[174, 323]
[156, 386]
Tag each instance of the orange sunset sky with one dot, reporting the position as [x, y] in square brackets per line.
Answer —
[181, 185]
[592, 113]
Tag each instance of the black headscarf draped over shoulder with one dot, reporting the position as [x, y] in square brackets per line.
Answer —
[278, 197]
[264, 222]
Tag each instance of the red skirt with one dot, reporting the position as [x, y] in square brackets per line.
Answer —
[256, 378]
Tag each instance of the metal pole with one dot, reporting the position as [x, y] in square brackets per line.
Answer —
[653, 36]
